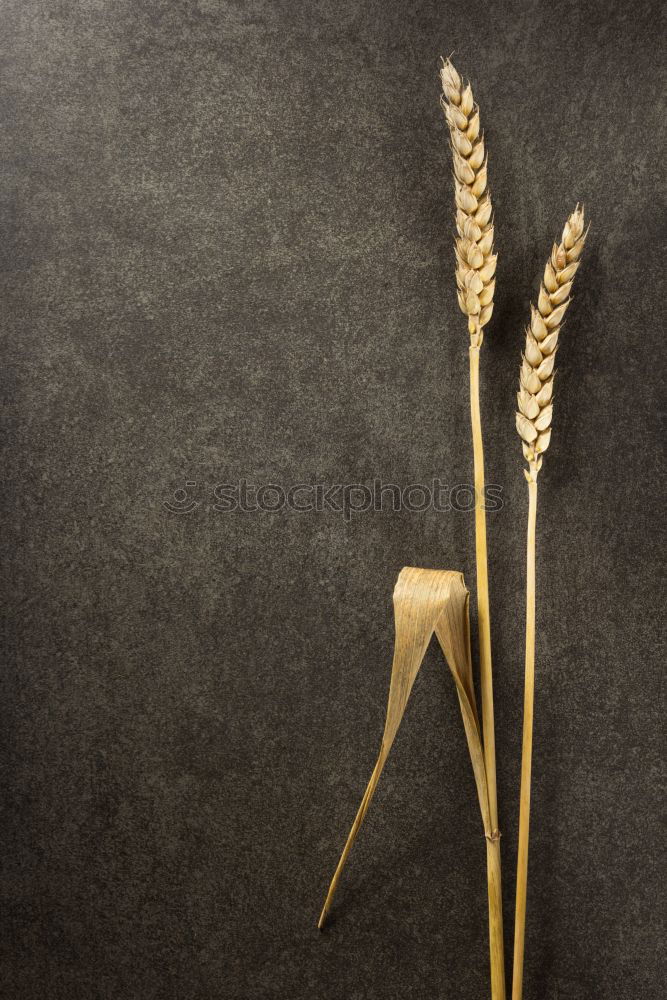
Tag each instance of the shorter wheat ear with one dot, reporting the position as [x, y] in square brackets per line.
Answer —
[533, 421]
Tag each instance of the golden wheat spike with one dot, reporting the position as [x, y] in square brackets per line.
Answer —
[475, 259]
[475, 279]
[536, 377]
[534, 426]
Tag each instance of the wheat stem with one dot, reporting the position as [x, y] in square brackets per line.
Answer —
[533, 422]
[526, 750]
[483, 609]
[475, 279]
[494, 883]
[496, 942]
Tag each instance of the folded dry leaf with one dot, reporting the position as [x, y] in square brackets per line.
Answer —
[425, 602]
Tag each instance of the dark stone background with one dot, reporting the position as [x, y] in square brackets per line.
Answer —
[226, 237]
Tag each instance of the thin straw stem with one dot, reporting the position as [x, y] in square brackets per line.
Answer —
[496, 943]
[527, 748]
[483, 610]
[486, 684]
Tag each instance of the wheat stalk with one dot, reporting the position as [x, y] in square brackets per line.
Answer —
[475, 279]
[533, 421]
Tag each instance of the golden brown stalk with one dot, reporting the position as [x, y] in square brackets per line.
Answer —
[533, 421]
[475, 271]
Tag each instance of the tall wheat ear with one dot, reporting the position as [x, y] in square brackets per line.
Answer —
[475, 281]
[475, 259]
[533, 422]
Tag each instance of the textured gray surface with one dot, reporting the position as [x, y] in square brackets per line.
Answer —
[226, 251]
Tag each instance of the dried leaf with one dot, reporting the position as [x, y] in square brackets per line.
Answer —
[425, 602]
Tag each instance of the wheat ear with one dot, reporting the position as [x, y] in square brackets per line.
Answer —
[536, 380]
[475, 279]
[475, 260]
[533, 421]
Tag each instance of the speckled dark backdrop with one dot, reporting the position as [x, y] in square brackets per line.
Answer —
[226, 252]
